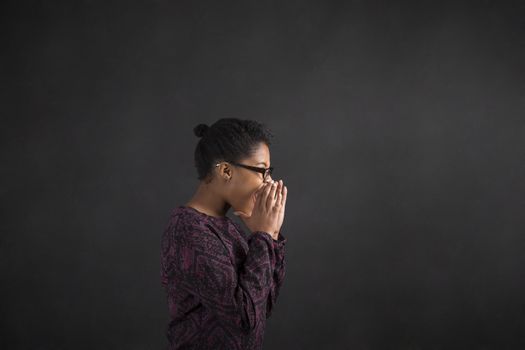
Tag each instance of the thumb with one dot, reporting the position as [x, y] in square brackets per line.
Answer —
[240, 214]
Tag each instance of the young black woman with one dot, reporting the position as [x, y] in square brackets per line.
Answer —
[222, 285]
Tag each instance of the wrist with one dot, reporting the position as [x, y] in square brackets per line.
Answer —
[273, 234]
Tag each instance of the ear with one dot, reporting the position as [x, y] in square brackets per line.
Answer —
[224, 171]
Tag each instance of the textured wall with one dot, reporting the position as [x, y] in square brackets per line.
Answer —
[399, 132]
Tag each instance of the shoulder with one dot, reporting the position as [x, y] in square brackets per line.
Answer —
[191, 229]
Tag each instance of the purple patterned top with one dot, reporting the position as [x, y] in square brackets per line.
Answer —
[221, 285]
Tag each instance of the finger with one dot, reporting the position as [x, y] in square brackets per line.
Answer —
[285, 194]
[263, 195]
[257, 192]
[279, 193]
[271, 196]
[240, 214]
[278, 190]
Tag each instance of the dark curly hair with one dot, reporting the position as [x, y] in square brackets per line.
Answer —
[228, 139]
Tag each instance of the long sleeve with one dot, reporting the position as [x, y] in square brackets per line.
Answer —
[279, 273]
[237, 298]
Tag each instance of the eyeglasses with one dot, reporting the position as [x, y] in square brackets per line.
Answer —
[265, 171]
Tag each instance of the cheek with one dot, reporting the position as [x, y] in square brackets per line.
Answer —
[250, 194]
[244, 195]
[245, 187]
[239, 192]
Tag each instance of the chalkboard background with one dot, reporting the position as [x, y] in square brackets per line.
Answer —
[399, 131]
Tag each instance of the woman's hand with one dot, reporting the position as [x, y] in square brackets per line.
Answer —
[268, 210]
[282, 192]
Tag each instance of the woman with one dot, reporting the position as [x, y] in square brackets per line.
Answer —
[221, 285]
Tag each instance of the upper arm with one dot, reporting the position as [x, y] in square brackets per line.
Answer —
[205, 269]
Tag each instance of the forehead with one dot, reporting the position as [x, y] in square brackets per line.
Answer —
[261, 154]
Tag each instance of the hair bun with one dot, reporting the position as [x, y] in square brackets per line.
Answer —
[200, 130]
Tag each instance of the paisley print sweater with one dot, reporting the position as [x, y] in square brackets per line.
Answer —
[221, 284]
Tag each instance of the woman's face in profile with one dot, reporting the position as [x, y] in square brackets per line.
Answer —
[246, 182]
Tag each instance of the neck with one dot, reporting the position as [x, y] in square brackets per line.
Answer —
[208, 201]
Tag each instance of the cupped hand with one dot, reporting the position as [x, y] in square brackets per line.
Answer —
[268, 210]
[282, 192]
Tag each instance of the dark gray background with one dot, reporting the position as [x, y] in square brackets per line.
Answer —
[399, 133]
